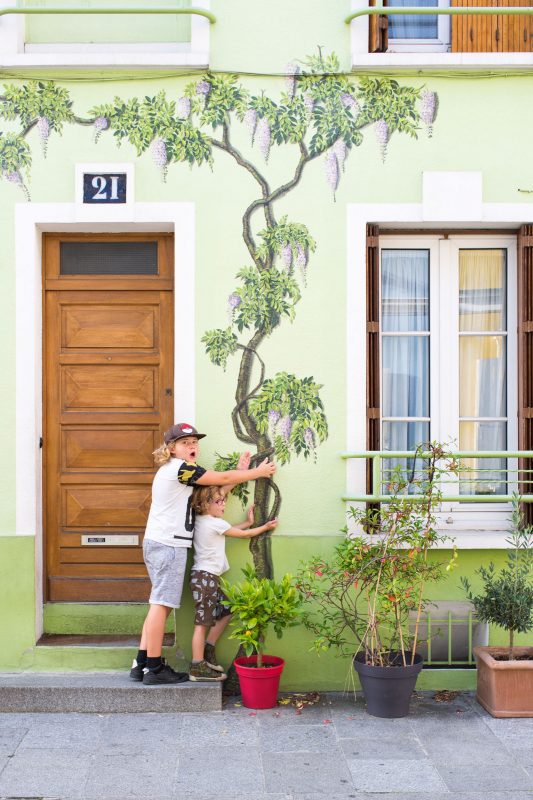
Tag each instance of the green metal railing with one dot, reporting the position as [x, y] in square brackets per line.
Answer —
[199, 12]
[511, 478]
[479, 10]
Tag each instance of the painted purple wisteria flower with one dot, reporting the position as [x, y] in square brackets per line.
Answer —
[263, 137]
[428, 109]
[292, 69]
[16, 178]
[43, 129]
[309, 103]
[286, 256]
[331, 166]
[301, 261]
[203, 88]
[100, 124]
[341, 151]
[349, 101]
[310, 441]
[382, 135]
[273, 419]
[250, 123]
[234, 301]
[183, 108]
[160, 157]
[285, 428]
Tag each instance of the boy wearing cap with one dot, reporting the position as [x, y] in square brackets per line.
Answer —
[168, 536]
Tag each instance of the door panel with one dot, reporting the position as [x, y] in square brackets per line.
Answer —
[108, 355]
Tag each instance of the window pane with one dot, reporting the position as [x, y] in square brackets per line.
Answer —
[485, 475]
[482, 290]
[413, 26]
[482, 376]
[108, 258]
[405, 290]
[405, 374]
[405, 436]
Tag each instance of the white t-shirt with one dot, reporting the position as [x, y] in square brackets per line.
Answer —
[210, 544]
[171, 518]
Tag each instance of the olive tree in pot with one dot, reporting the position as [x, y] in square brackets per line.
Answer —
[256, 605]
[505, 674]
[362, 598]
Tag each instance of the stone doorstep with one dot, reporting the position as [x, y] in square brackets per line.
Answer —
[103, 693]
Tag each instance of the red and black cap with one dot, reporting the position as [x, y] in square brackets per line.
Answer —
[180, 431]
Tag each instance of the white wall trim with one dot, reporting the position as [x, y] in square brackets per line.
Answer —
[31, 220]
[399, 215]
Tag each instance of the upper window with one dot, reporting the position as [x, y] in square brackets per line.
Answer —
[126, 38]
[408, 33]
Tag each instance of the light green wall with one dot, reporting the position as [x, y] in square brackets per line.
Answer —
[482, 124]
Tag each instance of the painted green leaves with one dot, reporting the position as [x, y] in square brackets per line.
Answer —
[290, 410]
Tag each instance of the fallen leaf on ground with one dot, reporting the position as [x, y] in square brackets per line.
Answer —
[445, 696]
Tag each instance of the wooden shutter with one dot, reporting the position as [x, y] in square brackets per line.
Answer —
[378, 31]
[373, 411]
[525, 356]
[491, 34]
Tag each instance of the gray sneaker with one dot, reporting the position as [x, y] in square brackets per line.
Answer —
[201, 671]
[210, 657]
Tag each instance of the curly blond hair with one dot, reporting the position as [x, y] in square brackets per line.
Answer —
[203, 496]
[163, 454]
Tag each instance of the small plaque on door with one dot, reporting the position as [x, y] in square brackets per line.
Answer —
[104, 188]
[110, 539]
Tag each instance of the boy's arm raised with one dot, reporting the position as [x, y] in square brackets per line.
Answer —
[212, 478]
[238, 533]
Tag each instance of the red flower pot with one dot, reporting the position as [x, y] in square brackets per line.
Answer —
[259, 685]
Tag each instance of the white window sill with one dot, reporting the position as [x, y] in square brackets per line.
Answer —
[111, 59]
[494, 61]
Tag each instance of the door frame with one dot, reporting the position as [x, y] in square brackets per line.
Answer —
[31, 221]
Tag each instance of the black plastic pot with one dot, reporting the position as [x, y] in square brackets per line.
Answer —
[388, 690]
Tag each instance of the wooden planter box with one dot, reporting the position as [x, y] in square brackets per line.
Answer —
[504, 688]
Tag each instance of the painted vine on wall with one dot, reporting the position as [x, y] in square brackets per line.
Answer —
[320, 115]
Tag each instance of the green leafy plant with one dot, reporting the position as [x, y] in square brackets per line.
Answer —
[258, 604]
[363, 597]
[506, 599]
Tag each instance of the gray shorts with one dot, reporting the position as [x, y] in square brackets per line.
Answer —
[166, 569]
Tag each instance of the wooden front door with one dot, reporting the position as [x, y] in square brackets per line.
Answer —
[108, 378]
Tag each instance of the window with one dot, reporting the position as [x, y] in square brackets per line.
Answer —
[413, 33]
[448, 351]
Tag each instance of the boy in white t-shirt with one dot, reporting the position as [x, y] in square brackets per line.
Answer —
[210, 561]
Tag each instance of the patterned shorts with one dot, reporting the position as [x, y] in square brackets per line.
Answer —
[208, 598]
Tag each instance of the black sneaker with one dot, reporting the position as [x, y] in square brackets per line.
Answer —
[164, 677]
[136, 672]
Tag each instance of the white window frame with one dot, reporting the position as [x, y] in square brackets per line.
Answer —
[439, 45]
[15, 52]
[444, 351]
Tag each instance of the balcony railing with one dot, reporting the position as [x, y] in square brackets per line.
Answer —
[509, 473]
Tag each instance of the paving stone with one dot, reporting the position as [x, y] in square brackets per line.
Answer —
[485, 749]
[45, 773]
[353, 726]
[223, 730]
[306, 772]
[298, 738]
[395, 775]
[134, 775]
[83, 732]
[149, 732]
[11, 736]
[218, 770]
[308, 715]
[403, 747]
[464, 777]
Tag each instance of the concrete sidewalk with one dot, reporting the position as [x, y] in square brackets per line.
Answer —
[449, 750]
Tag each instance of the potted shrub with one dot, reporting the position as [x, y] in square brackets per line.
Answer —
[362, 596]
[258, 604]
[505, 674]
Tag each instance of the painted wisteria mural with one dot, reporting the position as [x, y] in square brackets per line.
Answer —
[320, 115]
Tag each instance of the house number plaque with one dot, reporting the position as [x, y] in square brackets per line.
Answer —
[105, 188]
